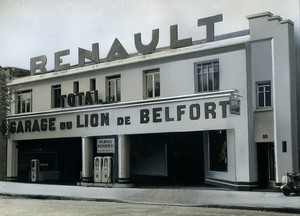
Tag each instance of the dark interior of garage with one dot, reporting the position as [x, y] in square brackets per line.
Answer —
[60, 159]
[167, 158]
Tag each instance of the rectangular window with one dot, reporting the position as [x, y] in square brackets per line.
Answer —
[92, 84]
[207, 76]
[263, 94]
[284, 147]
[218, 151]
[76, 87]
[24, 101]
[56, 96]
[152, 83]
[113, 89]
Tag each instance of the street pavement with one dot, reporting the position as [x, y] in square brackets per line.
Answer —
[177, 196]
[20, 206]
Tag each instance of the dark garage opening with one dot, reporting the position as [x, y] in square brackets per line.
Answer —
[167, 158]
[60, 159]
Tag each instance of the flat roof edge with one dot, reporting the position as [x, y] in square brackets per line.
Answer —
[263, 14]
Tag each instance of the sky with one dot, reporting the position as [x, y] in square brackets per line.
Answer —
[31, 28]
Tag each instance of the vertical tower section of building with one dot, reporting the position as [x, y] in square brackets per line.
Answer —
[274, 77]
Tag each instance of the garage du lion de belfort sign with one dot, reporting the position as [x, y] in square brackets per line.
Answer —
[174, 112]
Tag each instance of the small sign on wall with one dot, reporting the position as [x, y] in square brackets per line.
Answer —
[106, 145]
[235, 106]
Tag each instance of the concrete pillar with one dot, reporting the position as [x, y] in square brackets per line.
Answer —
[12, 161]
[87, 159]
[123, 159]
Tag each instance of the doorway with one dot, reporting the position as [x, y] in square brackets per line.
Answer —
[266, 165]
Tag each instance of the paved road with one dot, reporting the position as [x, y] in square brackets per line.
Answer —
[18, 206]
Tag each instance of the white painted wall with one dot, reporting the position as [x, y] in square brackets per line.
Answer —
[283, 86]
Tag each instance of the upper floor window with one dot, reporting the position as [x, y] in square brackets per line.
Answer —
[24, 101]
[263, 94]
[92, 84]
[75, 87]
[56, 96]
[113, 89]
[207, 76]
[152, 83]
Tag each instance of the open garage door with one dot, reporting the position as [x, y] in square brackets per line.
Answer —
[172, 158]
[59, 159]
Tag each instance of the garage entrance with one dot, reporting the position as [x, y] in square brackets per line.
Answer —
[60, 159]
[171, 158]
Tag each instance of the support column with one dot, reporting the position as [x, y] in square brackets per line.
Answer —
[87, 159]
[123, 159]
[12, 161]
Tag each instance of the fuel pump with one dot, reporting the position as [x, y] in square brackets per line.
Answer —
[35, 170]
[98, 165]
[107, 169]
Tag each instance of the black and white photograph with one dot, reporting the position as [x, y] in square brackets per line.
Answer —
[149, 107]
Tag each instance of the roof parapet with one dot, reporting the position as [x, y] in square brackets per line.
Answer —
[258, 15]
[271, 17]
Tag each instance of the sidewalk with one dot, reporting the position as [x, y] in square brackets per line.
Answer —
[209, 197]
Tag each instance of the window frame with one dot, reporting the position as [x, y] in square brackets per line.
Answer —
[19, 99]
[151, 73]
[264, 85]
[200, 87]
[55, 102]
[116, 95]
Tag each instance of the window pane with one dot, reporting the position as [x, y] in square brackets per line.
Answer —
[19, 102]
[149, 86]
[92, 84]
[216, 81]
[200, 85]
[56, 93]
[205, 82]
[205, 69]
[210, 68]
[110, 90]
[157, 84]
[268, 99]
[27, 99]
[118, 82]
[76, 87]
[216, 67]
[28, 105]
[261, 89]
[23, 106]
[261, 100]
[210, 82]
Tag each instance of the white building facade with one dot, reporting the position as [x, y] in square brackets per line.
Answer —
[221, 111]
